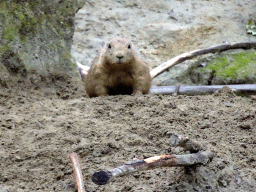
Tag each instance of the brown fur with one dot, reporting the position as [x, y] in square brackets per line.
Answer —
[118, 70]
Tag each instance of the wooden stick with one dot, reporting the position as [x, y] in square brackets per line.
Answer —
[185, 56]
[77, 172]
[82, 69]
[187, 143]
[202, 157]
[195, 90]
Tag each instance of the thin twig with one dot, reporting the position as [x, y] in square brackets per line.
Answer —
[77, 172]
[202, 157]
[189, 55]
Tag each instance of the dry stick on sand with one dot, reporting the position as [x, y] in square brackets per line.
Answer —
[185, 56]
[201, 157]
[77, 172]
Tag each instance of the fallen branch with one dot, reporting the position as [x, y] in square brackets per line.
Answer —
[189, 55]
[82, 69]
[186, 143]
[195, 90]
[77, 172]
[202, 157]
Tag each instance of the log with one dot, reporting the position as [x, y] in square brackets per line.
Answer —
[202, 157]
[189, 55]
[197, 90]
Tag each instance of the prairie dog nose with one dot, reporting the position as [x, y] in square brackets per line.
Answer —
[119, 55]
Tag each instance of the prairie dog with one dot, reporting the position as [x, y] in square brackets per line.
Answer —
[118, 70]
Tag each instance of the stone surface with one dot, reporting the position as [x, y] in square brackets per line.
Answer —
[37, 35]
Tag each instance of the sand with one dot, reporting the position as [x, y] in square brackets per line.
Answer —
[40, 126]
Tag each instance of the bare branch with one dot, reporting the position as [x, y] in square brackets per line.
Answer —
[202, 157]
[77, 172]
[189, 55]
[82, 69]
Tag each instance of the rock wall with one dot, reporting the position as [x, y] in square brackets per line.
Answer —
[36, 35]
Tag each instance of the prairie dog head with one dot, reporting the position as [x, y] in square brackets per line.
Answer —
[119, 51]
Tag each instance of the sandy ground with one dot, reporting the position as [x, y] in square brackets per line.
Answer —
[40, 124]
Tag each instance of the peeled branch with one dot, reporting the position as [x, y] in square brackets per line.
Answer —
[202, 157]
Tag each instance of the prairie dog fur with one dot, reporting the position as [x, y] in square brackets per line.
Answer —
[118, 70]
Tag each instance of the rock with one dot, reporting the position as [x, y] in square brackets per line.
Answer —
[36, 35]
[167, 30]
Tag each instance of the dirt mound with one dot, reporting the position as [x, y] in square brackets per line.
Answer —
[39, 128]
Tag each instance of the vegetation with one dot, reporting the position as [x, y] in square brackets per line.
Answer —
[241, 65]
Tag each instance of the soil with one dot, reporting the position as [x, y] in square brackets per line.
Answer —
[43, 120]
[41, 125]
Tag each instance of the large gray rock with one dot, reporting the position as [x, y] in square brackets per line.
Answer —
[36, 35]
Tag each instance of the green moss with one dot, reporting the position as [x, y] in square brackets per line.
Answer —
[10, 27]
[219, 63]
[3, 48]
[24, 22]
[19, 20]
[240, 65]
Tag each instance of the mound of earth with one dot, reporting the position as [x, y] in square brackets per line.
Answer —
[40, 127]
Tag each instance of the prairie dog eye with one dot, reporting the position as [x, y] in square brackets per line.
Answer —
[109, 46]
[129, 46]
